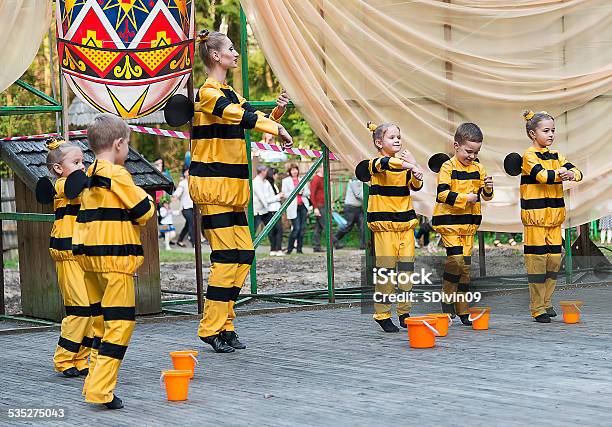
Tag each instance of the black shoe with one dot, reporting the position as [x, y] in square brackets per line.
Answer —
[71, 372]
[387, 325]
[465, 319]
[551, 312]
[338, 245]
[288, 251]
[362, 248]
[318, 250]
[299, 251]
[543, 318]
[84, 372]
[402, 320]
[449, 309]
[231, 339]
[218, 344]
[116, 403]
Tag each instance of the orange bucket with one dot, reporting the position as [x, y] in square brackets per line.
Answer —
[571, 311]
[421, 331]
[184, 360]
[177, 384]
[479, 316]
[443, 322]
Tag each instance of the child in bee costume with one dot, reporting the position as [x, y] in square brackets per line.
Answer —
[76, 334]
[390, 215]
[462, 183]
[107, 244]
[542, 209]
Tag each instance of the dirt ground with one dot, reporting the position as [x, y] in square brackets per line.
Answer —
[293, 272]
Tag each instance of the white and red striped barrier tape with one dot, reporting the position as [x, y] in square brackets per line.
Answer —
[183, 135]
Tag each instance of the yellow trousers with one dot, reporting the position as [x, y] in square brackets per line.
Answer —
[76, 334]
[542, 260]
[232, 254]
[456, 279]
[112, 302]
[394, 250]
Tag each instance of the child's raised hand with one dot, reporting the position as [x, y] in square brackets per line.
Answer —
[472, 197]
[417, 173]
[565, 175]
[407, 166]
[488, 182]
[283, 100]
[407, 157]
[284, 135]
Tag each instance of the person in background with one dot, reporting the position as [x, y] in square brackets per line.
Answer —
[424, 229]
[297, 211]
[317, 197]
[166, 224]
[274, 197]
[605, 227]
[182, 194]
[353, 213]
[260, 205]
[498, 236]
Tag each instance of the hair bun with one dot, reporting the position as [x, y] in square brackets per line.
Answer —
[203, 35]
[545, 113]
[528, 115]
[371, 126]
[54, 143]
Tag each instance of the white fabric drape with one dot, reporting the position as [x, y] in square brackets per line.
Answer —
[23, 24]
[429, 65]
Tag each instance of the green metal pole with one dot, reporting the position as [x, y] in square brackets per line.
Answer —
[328, 225]
[244, 62]
[568, 255]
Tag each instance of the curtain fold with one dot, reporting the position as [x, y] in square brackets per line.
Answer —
[429, 65]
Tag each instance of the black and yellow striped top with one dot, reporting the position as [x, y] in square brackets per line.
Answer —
[389, 200]
[60, 246]
[219, 171]
[107, 232]
[542, 201]
[452, 213]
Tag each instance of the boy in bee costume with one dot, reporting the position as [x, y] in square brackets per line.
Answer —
[107, 244]
[462, 183]
[76, 334]
[390, 214]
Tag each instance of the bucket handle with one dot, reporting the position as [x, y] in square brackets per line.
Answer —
[577, 308]
[194, 359]
[161, 379]
[477, 317]
[450, 320]
[434, 330]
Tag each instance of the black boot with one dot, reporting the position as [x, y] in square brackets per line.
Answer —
[231, 339]
[551, 312]
[217, 344]
[71, 372]
[402, 320]
[84, 372]
[116, 403]
[387, 325]
[450, 309]
[542, 318]
[465, 319]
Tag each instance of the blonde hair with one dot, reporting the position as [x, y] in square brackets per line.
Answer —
[378, 131]
[209, 41]
[58, 150]
[104, 130]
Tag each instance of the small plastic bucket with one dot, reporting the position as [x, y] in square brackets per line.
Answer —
[184, 360]
[479, 316]
[177, 384]
[571, 311]
[443, 322]
[422, 331]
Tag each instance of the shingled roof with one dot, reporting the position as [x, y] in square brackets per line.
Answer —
[28, 160]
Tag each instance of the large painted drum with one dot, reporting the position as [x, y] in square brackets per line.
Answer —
[126, 57]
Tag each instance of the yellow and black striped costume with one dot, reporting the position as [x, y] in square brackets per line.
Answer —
[107, 244]
[219, 184]
[76, 334]
[457, 221]
[542, 213]
[392, 221]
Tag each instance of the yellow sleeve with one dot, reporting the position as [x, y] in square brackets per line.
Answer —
[214, 102]
[136, 200]
[415, 184]
[570, 167]
[366, 168]
[276, 114]
[533, 168]
[484, 195]
[444, 193]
